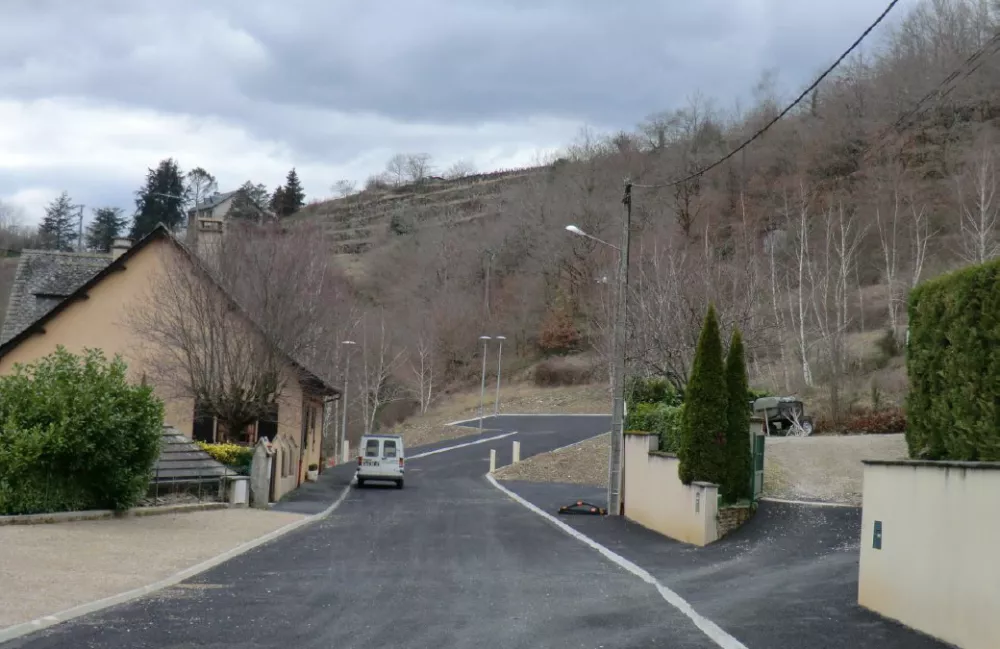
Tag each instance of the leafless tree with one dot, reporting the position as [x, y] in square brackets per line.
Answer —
[800, 225]
[418, 166]
[977, 195]
[200, 185]
[380, 359]
[396, 169]
[460, 169]
[343, 188]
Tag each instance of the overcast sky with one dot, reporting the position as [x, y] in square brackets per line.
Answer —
[93, 92]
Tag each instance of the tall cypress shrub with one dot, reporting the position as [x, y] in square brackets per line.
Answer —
[736, 484]
[702, 450]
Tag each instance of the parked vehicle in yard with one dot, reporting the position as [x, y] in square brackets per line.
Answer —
[783, 416]
[380, 458]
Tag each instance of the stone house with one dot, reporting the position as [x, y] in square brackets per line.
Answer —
[84, 301]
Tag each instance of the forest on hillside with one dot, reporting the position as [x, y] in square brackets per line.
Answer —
[808, 240]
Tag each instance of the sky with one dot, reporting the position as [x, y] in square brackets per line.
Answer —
[95, 92]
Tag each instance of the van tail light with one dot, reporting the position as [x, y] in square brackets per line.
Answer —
[400, 463]
[359, 460]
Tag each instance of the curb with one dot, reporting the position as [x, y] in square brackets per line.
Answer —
[104, 514]
[18, 630]
[808, 503]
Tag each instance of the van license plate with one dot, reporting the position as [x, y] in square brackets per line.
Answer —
[371, 463]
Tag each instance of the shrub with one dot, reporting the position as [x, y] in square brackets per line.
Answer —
[76, 435]
[736, 483]
[953, 363]
[234, 456]
[559, 371]
[659, 418]
[313, 467]
[703, 428]
[652, 390]
[559, 334]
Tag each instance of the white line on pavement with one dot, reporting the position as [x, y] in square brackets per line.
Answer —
[452, 448]
[18, 630]
[465, 423]
[708, 627]
[810, 503]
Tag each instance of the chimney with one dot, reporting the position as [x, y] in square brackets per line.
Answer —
[119, 247]
[209, 238]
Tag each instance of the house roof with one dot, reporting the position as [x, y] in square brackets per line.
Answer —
[42, 280]
[215, 200]
[57, 303]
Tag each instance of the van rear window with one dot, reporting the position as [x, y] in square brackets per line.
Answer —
[371, 448]
[389, 448]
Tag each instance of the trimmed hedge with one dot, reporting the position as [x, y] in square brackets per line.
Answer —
[659, 418]
[953, 363]
[76, 435]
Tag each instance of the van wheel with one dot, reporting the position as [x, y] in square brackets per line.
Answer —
[361, 482]
[399, 484]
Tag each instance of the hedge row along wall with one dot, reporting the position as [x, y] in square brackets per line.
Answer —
[953, 363]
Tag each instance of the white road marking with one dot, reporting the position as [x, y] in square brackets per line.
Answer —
[466, 423]
[452, 448]
[708, 627]
[810, 503]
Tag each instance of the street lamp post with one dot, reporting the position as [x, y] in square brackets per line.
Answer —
[482, 389]
[343, 420]
[619, 330]
[496, 403]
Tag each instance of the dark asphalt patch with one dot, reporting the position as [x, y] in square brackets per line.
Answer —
[787, 579]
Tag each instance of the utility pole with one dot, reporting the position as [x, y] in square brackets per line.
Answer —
[79, 240]
[347, 371]
[482, 389]
[618, 373]
[496, 403]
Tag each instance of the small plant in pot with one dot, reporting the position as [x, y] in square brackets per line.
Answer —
[313, 472]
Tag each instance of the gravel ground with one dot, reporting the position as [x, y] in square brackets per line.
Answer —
[583, 463]
[824, 468]
[45, 569]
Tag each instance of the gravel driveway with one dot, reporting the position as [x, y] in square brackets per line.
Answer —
[824, 468]
[45, 569]
[583, 463]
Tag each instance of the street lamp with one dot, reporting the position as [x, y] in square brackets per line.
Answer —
[343, 421]
[618, 351]
[482, 389]
[496, 403]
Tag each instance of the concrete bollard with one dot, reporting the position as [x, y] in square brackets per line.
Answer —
[493, 460]
[516, 455]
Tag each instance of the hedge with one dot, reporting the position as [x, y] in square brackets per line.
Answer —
[659, 418]
[953, 363]
[76, 435]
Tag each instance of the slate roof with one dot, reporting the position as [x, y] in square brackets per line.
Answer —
[215, 200]
[181, 460]
[43, 279]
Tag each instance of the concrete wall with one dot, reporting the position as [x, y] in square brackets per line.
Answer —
[656, 498]
[938, 569]
[102, 322]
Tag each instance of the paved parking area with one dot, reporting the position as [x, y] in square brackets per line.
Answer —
[49, 568]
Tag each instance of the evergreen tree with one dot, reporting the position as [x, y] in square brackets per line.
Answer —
[277, 203]
[108, 224]
[293, 198]
[736, 484]
[250, 203]
[161, 200]
[59, 227]
[703, 427]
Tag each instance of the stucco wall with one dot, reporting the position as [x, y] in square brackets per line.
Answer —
[937, 570]
[656, 498]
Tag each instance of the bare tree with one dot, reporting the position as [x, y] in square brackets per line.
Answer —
[888, 226]
[200, 185]
[396, 169]
[977, 189]
[378, 385]
[418, 166]
[343, 188]
[801, 226]
[460, 169]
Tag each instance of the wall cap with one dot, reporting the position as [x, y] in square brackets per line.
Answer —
[700, 483]
[936, 464]
[637, 433]
[663, 454]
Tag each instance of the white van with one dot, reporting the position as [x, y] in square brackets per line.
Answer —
[380, 457]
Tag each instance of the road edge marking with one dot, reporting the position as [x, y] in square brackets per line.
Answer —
[708, 627]
[25, 628]
[475, 420]
[452, 448]
[809, 503]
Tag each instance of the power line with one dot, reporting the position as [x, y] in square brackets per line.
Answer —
[787, 109]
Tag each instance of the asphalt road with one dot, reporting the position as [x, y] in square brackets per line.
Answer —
[450, 561]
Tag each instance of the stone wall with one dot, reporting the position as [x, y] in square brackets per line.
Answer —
[730, 518]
